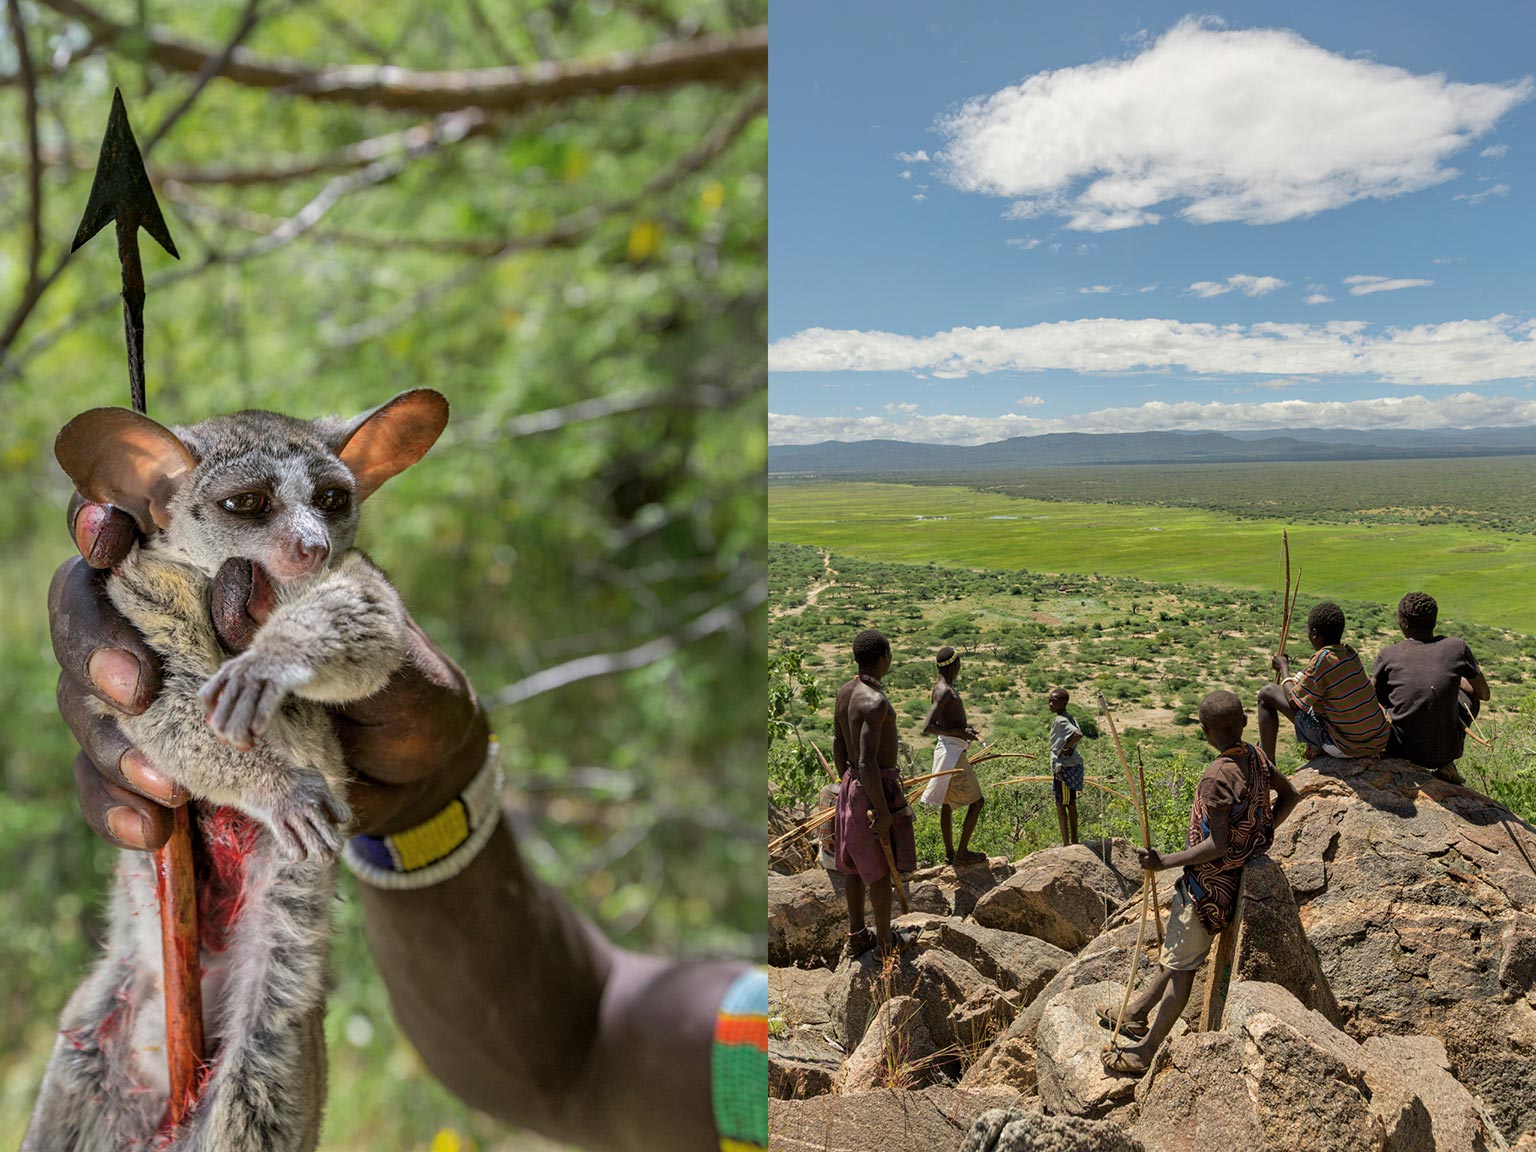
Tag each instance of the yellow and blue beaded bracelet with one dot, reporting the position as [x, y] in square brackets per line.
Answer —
[436, 849]
[739, 1064]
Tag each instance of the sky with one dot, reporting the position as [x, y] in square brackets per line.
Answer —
[1000, 219]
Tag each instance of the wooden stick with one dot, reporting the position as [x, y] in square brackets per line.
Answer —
[1001, 756]
[1225, 962]
[890, 863]
[830, 771]
[820, 817]
[1141, 772]
[177, 892]
[1141, 809]
[1089, 780]
[1467, 728]
[1285, 597]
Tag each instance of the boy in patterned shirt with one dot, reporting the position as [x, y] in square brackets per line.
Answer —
[1231, 821]
[1331, 702]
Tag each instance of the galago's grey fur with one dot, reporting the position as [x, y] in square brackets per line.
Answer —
[248, 732]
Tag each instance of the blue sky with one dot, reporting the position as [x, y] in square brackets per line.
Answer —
[996, 219]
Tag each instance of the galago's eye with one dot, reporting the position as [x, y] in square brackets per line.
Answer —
[246, 503]
[333, 499]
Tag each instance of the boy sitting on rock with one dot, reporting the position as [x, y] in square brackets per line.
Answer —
[1231, 820]
[1331, 702]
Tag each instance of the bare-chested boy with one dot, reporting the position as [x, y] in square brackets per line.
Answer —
[946, 720]
[1230, 821]
[864, 752]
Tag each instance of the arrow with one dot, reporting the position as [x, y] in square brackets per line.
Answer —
[122, 191]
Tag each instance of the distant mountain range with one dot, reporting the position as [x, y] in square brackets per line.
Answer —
[869, 457]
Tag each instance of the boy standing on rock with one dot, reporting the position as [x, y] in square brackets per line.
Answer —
[1230, 821]
[946, 721]
[1331, 702]
[1066, 764]
[871, 807]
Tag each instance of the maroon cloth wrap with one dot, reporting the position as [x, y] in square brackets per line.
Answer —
[857, 851]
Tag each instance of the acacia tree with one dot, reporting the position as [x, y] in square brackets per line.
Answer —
[554, 213]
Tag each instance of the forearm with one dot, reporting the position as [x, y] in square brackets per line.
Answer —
[500, 985]
[1202, 853]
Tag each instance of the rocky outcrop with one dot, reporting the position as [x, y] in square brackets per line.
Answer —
[1025, 1130]
[802, 1061]
[1071, 1075]
[1419, 898]
[1274, 947]
[930, 1120]
[1280, 1077]
[1458, 1121]
[950, 890]
[1061, 895]
[807, 919]
[897, 1051]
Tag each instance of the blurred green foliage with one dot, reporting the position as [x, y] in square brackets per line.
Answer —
[600, 261]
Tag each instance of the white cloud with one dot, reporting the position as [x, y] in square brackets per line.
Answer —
[1247, 285]
[1365, 285]
[1029, 402]
[1319, 298]
[1463, 410]
[1024, 242]
[1084, 249]
[1479, 197]
[894, 409]
[1455, 353]
[1148, 288]
[1097, 289]
[919, 197]
[1495, 152]
[918, 157]
[1252, 125]
[905, 174]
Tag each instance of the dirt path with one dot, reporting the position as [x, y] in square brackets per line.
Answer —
[816, 589]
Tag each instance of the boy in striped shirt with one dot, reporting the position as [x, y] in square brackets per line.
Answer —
[1331, 702]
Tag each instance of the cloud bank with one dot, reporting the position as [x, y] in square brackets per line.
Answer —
[1247, 285]
[1255, 125]
[1456, 353]
[1464, 410]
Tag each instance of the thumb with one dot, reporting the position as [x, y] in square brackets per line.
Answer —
[241, 601]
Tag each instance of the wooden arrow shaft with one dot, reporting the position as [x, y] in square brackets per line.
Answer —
[133, 305]
[176, 888]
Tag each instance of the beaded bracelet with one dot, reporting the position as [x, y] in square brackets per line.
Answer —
[436, 849]
[739, 1064]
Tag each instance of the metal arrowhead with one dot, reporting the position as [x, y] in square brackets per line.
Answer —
[121, 189]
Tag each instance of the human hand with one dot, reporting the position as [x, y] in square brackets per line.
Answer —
[1150, 859]
[880, 823]
[972, 734]
[1280, 665]
[420, 740]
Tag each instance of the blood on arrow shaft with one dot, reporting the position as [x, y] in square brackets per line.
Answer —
[121, 191]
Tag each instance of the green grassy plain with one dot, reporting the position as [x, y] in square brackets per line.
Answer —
[1476, 574]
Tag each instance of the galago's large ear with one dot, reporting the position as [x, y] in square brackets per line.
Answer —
[388, 440]
[116, 456]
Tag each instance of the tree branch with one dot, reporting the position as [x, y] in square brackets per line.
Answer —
[211, 68]
[562, 234]
[727, 58]
[35, 161]
[469, 123]
[717, 619]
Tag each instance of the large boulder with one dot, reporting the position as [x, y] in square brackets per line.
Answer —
[1069, 1041]
[939, 980]
[1277, 1077]
[953, 890]
[1274, 947]
[1419, 898]
[1012, 961]
[1459, 1121]
[930, 1120]
[807, 918]
[897, 1051]
[1028, 1130]
[802, 1062]
[1061, 895]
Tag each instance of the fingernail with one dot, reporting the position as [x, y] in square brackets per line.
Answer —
[116, 674]
[139, 772]
[128, 827]
[89, 522]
